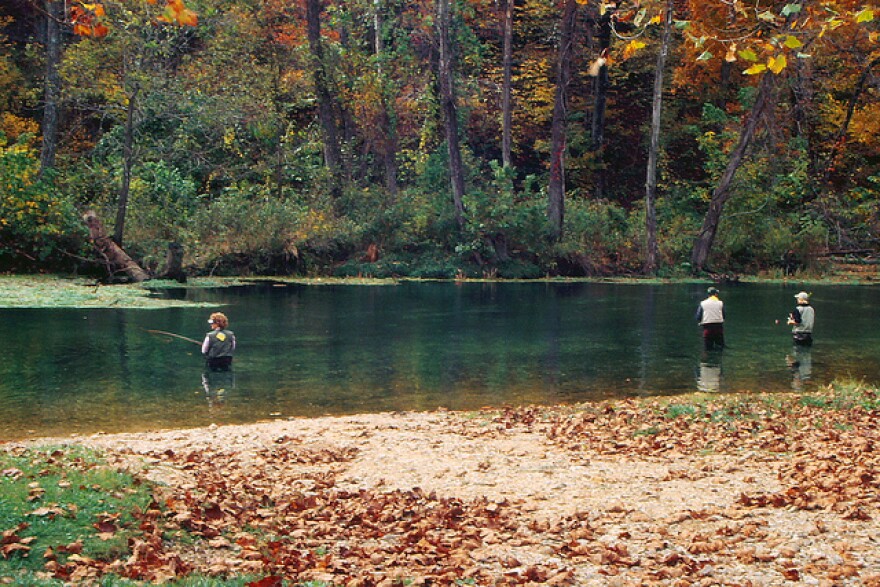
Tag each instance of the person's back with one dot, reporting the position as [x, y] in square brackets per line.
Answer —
[219, 344]
[712, 311]
[710, 315]
[222, 343]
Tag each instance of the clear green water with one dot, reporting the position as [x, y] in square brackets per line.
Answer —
[316, 350]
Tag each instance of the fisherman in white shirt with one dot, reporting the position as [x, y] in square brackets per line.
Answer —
[710, 316]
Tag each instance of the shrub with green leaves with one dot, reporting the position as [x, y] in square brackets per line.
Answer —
[37, 225]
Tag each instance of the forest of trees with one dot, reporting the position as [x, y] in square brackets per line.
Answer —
[435, 138]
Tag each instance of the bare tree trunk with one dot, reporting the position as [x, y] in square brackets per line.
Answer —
[802, 98]
[280, 129]
[600, 100]
[558, 128]
[507, 90]
[174, 263]
[389, 154]
[52, 91]
[450, 111]
[127, 164]
[332, 151]
[706, 237]
[116, 258]
[651, 252]
[389, 139]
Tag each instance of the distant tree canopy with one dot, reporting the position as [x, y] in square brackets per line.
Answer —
[439, 137]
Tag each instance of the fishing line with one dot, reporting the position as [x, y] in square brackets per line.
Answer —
[180, 336]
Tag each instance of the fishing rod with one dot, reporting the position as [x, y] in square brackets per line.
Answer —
[186, 338]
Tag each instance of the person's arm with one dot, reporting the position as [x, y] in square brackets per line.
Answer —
[699, 314]
[795, 317]
[205, 344]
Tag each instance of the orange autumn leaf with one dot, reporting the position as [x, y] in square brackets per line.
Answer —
[632, 47]
[187, 17]
[177, 12]
[96, 9]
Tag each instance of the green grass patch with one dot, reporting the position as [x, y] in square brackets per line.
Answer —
[674, 411]
[52, 498]
[42, 291]
[815, 402]
[844, 395]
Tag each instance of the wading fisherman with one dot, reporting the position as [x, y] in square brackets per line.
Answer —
[219, 344]
[801, 320]
[710, 316]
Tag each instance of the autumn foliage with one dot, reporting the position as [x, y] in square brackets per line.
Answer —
[229, 111]
[88, 19]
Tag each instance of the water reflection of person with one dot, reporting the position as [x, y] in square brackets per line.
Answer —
[800, 361]
[709, 373]
[216, 385]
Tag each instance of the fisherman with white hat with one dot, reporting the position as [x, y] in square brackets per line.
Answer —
[801, 320]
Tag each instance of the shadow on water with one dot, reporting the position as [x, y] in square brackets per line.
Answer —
[334, 349]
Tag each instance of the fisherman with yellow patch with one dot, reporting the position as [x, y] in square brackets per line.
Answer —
[219, 344]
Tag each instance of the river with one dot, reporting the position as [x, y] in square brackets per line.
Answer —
[307, 350]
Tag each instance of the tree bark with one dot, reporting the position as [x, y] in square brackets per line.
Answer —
[280, 129]
[706, 237]
[389, 136]
[600, 99]
[651, 251]
[117, 259]
[127, 164]
[450, 111]
[174, 263]
[507, 86]
[558, 128]
[332, 151]
[52, 91]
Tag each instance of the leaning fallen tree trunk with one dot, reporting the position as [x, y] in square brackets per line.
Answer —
[117, 260]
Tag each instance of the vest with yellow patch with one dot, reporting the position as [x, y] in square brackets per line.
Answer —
[222, 344]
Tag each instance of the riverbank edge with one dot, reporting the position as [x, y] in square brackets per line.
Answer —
[59, 291]
[839, 395]
[678, 484]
